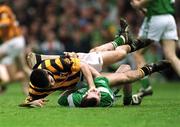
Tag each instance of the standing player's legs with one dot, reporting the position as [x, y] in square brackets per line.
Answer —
[145, 83]
[168, 40]
[12, 49]
[169, 48]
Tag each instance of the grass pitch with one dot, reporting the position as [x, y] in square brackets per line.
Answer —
[160, 110]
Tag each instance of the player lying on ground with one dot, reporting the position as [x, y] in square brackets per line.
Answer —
[65, 71]
[103, 95]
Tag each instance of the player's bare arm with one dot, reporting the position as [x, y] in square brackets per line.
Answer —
[87, 74]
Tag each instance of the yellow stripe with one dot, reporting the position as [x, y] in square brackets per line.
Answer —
[76, 64]
[58, 62]
[49, 66]
[40, 66]
[60, 77]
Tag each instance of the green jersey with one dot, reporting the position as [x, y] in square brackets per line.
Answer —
[75, 98]
[159, 7]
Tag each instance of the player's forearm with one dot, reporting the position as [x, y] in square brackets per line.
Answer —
[94, 72]
[87, 74]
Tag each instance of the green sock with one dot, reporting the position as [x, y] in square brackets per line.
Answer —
[119, 40]
[145, 83]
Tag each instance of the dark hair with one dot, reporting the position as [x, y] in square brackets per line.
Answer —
[91, 102]
[39, 78]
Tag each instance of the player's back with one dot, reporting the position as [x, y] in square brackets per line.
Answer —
[159, 7]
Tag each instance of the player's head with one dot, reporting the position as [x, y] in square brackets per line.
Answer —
[42, 78]
[91, 99]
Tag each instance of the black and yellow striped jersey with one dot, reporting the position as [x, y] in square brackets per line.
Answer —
[66, 72]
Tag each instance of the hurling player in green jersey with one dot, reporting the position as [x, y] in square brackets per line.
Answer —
[159, 25]
[103, 96]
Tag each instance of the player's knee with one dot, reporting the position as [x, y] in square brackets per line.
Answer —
[121, 53]
[124, 68]
[4, 75]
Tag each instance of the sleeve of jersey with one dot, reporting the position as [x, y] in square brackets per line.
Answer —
[63, 100]
[101, 82]
[72, 100]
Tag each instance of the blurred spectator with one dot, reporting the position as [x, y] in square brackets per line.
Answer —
[51, 45]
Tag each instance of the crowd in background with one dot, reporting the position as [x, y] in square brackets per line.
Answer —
[54, 26]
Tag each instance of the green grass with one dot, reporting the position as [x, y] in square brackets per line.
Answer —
[160, 110]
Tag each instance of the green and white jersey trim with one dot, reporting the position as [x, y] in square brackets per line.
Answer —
[102, 89]
[70, 101]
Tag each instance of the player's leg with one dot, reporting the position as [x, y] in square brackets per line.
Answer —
[110, 57]
[121, 38]
[145, 83]
[127, 89]
[169, 48]
[133, 75]
[5, 77]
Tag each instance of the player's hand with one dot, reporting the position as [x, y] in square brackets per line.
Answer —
[71, 54]
[35, 103]
[93, 89]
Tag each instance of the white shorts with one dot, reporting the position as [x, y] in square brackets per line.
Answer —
[12, 49]
[94, 59]
[160, 27]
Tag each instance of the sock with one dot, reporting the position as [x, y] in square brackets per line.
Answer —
[119, 40]
[145, 83]
[146, 70]
[127, 90]
[139, 43]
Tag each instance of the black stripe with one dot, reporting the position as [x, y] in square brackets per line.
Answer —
[67, 66]
[65, 87]
[35, 97]
[43, 65]
[73, 76]
[41, 89]
[69, 78]
[56, 73]
[52, 89]
[38, 58]
[53, 64]
[60, 80]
